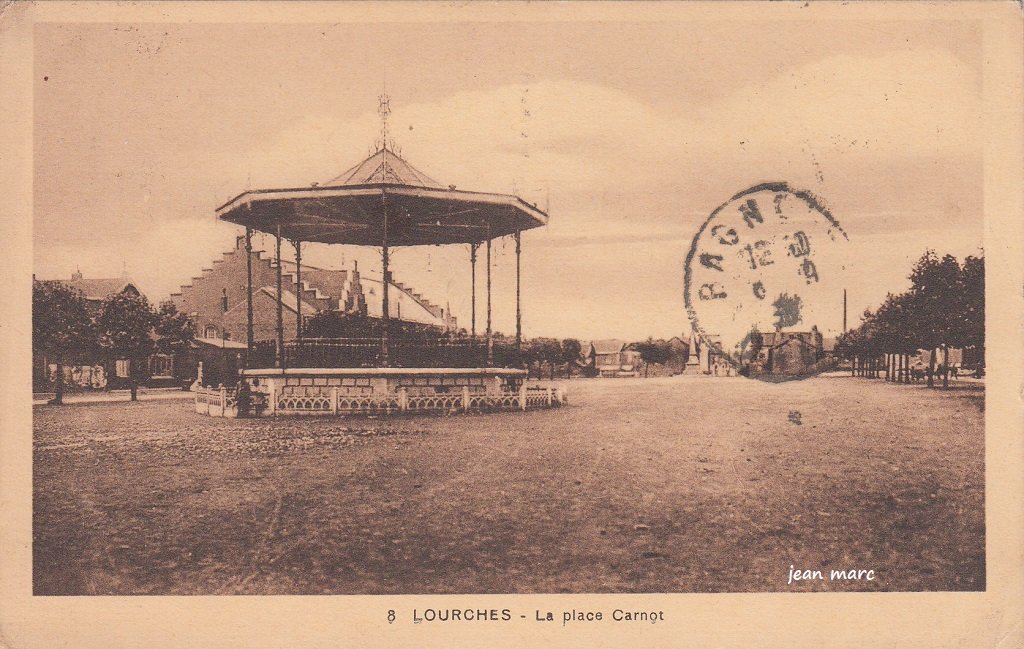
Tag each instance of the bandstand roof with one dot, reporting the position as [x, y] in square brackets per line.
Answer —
[350, 209]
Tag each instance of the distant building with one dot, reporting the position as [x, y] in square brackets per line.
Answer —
[216, 300]
[705, 356]
[776, 353]
[679, 351]
[612, 358]
[787, 353]
[98, 372]
[97, 291]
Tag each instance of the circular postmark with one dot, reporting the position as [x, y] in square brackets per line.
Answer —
[763, 284]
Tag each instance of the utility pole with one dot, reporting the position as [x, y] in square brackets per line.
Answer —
[844, 310]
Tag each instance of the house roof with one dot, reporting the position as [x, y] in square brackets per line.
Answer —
[401, 303]
[100, 289]
[288, 300]
[775, 338]
[609, 346]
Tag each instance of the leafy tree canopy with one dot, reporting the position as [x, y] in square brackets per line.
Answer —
[61, 324]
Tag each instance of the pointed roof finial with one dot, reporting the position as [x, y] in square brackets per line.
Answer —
[384, 109]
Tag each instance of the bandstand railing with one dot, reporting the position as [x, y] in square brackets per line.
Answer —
[366, 352]
[222, 401]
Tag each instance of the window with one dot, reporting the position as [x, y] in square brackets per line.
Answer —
[224, 299]
[161, 366]
[210, 331]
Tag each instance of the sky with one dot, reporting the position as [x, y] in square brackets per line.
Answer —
[629, 134]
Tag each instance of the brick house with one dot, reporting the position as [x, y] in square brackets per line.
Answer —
[216, 302]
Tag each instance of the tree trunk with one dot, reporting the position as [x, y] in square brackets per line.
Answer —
[945, 366]
[853, 366]
[646, 366]
[552, 371]
[58, 385]
[931, 368]
[133, 383]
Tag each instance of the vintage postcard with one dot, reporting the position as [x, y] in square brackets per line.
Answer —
[512, 324]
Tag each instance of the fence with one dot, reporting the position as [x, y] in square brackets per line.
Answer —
[220, 402]
[366, 352]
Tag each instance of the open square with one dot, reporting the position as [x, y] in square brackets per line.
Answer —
[683, 484]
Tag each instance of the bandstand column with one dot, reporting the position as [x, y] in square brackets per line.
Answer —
[386, 306]
[490, 339]
[280, 297]
[519, 311]
[472, 293]
[248, 297]
[298, 294]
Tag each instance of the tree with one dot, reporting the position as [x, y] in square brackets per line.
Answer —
[971, 322]
[126, 330]
[541, 351]
[653, 352]
[551, 353]
[935, 283]
[571, 350]
[335, 324]
[174, 330]
[944, 307]
[61, 327]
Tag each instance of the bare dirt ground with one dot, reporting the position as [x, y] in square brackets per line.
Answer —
[684, 484]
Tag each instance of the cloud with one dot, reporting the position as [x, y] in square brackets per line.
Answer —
[165, 256]
[891, 142]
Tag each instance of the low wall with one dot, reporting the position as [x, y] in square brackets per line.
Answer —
[380, 391]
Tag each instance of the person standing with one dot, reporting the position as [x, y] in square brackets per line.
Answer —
[243, 398]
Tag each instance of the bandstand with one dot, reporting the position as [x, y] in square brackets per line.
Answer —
[385, 203]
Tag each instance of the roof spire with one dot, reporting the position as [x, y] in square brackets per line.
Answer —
[384, 109]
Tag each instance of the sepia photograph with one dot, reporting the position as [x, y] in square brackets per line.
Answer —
[525, 302]
[334, 309]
